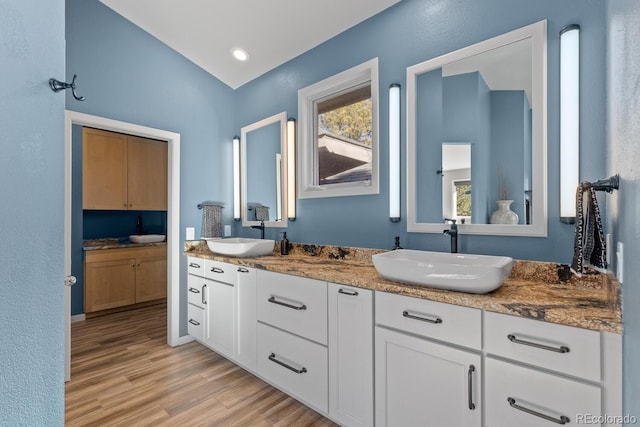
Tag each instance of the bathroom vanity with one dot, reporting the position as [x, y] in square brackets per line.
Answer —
[323, 326]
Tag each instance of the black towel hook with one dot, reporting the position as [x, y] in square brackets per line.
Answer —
[57, 86]
[608, 185]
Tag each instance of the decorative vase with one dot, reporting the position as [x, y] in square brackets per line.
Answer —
[504, 215]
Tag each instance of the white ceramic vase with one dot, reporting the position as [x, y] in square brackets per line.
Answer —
[504, 215]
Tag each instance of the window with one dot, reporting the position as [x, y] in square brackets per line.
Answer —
[462, 200]
[338, 120]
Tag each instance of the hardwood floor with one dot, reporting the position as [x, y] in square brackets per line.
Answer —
[123, 373]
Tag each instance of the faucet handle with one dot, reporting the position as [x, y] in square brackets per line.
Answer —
[453, 221]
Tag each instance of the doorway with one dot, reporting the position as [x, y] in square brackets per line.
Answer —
[173, 218]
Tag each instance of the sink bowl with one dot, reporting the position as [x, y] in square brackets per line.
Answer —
[147, 238]
[476, 274]
[241, 246]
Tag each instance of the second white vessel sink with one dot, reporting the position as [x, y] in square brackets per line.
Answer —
[147, 238]
[476, 274]
[241, 246]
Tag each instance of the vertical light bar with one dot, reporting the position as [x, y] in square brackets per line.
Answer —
[291, 169]
[569, 121]
[236, 178]
[394, 152]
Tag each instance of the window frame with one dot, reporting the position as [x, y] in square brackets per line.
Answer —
[308, 97]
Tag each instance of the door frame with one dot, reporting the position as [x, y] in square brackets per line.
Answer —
[173, 219]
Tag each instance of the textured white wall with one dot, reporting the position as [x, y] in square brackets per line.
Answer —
[623, 149]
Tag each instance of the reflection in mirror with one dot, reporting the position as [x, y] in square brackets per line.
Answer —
[491, 96]
[263, 183]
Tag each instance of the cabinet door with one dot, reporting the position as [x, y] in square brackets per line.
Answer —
[419, 382]
[147, 172]
[245, 348]
[351, 355]
[109, 284]
[151, 278]
[104, 170]
[219, 312]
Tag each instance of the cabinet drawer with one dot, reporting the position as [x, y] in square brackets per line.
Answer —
[295, 365]
[195, 324]
[220, 271]
[569, 350]
[295, 304]
[195, 290]
[518, 396]
[445, 322]
[195, 266]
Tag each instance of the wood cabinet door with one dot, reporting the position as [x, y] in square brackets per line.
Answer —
[109, 284]
[151, 278]
[104, 170]
[147, 172]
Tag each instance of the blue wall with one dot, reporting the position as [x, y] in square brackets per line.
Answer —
[410, 32]
[32, 50]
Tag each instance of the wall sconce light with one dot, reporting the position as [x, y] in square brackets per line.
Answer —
[569, 121]
[394, 152]
[236, 178]
[291, 169]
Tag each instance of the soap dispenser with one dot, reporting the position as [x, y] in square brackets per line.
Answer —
[284, 244]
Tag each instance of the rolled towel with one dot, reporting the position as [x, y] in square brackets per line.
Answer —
[590, 250]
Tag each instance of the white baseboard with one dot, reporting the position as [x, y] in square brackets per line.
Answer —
[77, 318]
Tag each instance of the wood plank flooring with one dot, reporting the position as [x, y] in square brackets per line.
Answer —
[123, 373]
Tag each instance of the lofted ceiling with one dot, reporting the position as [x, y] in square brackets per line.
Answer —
[271, 32]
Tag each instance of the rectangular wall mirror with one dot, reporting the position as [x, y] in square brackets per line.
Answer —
[491, 97]
[263, 165]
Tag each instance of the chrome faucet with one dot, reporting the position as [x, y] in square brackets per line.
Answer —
[260, 227]
[453, 233]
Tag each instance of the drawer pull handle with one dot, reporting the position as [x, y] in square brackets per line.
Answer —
[217, 270]
[242, 270]
[194, 265]
[350, 293]
[406, 314]
[204, 301]
[194, 322]
[561, 349]
[272, 357]
[295, 307]
[194, 290]
[561, 420]
[472, 406]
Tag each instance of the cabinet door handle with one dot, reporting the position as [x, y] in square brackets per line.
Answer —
[295, 307]
[350, 293]
[217, 270]
[194, 322]
[406, 314]
[194, 290]
[470, 372]
[561, 349]
[204, 301]
[242, 270]
[194, 265]
[272, 357]
[562, 420]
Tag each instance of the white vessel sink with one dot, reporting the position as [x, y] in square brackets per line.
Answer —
[147, 238]
[476, 274]
[241, 246]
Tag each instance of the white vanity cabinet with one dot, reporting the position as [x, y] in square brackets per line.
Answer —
[350, 355]
[196, 298]
[292, 336]
[425, 381]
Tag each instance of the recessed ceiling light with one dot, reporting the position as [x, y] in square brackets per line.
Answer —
[240, 54]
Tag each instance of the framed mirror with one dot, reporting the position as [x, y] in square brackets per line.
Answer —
[263, 163]
[477, 137]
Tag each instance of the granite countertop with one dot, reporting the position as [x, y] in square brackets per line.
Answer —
[536, 290]
[115, 243]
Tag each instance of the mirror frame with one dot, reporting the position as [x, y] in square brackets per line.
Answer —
[537, 32]
[276, 118]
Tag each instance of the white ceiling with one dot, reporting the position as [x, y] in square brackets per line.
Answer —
[272, 32]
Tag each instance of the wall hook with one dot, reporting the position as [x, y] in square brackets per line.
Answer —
[57, 86]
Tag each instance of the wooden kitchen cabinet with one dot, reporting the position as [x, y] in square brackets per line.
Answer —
[120, 277]
[123, 172]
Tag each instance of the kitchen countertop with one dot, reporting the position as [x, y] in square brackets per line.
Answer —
[536, 290]
[115, 243]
